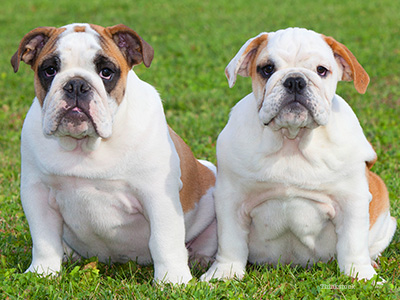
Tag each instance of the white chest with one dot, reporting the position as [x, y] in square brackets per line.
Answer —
[287, 228]
[102, 218]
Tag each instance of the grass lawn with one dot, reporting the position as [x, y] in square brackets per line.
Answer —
[194, 41]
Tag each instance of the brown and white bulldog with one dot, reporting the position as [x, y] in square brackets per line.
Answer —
[293, 183]
[102, 173]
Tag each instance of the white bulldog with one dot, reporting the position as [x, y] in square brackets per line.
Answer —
[293, 183]
[102, 173]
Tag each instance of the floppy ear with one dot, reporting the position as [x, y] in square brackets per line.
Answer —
[132, 46]
[31, 45]
[352, 70]
[241, 62]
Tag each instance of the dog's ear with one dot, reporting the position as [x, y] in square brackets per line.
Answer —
[241, 62]
[132, 46]
[31, 45]
[352, 70]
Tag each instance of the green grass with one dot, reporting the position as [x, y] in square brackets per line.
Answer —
[193, 41]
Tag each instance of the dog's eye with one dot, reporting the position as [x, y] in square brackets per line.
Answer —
[106, 73]
[50, 71]
[322, 71]
[267, 70]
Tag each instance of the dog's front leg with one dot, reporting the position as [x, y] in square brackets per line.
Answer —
[167, 237]
[352, 228]
[233, 231]
[45, 224]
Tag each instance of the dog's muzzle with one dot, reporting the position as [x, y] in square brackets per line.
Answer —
[291, 104]
[77, 93]
[75, 118]
[296, 98]
[295, 85]
[76, 88]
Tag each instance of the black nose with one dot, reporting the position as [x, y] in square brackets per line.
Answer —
[77, 87]
[295, 84]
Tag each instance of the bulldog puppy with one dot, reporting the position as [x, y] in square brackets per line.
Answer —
[102, 173]
[293, 183]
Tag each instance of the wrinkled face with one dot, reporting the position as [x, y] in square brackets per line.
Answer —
[80, 81]
[80, 75]
[294, 80]
[294, 76]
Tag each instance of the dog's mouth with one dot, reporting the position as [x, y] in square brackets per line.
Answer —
[75, 122]
[294, 114]
[76, 115]
[293, 110]
[293, 103]
[77, 107]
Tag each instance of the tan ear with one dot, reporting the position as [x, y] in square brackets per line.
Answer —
[352, 70]
[132, 46]
[31, 45]
[242, 60]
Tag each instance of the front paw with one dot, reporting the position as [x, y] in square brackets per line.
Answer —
[173, 275]
[43, 270]
[224, 271]
[360, 271]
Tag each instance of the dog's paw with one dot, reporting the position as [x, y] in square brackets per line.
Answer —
[360, 272]
[174, 276]
[224, 272]
[43, 270]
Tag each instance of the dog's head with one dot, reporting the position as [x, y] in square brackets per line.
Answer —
[294, 75]
[80, 75]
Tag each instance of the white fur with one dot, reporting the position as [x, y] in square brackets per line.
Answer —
[294, 198]
[77, 51]
[116, 198]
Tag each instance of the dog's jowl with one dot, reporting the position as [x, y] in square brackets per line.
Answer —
[294, 183]
[102, 173]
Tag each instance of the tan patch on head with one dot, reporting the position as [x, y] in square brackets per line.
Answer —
[196, 178]
[80, 28]
[261, 45]
[257, 81]
[33, 49]
[380, 197]
[50, 47]
[249, 56]
[110, 49]
[47, 50]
